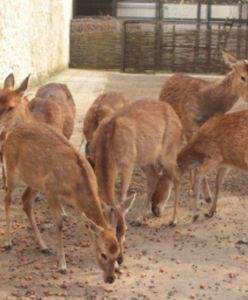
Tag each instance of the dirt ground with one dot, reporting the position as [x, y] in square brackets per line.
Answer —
[200, 260]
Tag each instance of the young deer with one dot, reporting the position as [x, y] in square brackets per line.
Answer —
[144, 133]
[103, 107]
[53, 104]
[221, 143]
[58, 171]
[196, 100]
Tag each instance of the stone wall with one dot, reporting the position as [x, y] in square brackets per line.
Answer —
[34, 37]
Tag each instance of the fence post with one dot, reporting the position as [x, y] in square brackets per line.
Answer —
[123, 45]
[158, 33]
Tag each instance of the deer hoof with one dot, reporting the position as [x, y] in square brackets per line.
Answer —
[62, 271]
[156, 211]
[210, 214]
[173, 223]
[45, 251]
[136, 223]
[7, 247]
[195, 217]
[208, 199]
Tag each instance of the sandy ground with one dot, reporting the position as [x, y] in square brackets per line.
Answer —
[192, 261]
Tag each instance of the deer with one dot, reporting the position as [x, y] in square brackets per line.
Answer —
[42, 158]
[220, 144]
[104, 106]
[195, 101]
[146, 133]
[52, 104]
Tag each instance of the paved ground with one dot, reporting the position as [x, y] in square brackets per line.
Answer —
[192, 261]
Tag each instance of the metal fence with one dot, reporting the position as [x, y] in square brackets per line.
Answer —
[150, 44]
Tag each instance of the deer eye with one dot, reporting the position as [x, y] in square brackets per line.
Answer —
[104, 256]
[10, 108]
[243, 78]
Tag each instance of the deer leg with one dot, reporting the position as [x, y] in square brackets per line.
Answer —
[206, 190]
[27, 199]
[161, 195]
[173, 223]
[207, 166]
[192, 180]
[58, 220]
[152, 180]
[126, 175]
[218, 182]
[7, 203]
[173, 172]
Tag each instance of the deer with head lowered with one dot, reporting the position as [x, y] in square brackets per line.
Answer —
[195, 101]
[44, 161]
[220, 144]
[103, 107]
[145, 133]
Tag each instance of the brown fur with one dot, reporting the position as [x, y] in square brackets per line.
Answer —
[104, 106]
[53, 104]
[212, 148]
[59, 172]
[196, 100]
[144, 133]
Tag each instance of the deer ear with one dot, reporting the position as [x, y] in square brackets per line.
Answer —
[229, 59]
[92, 226]
[110, 214]
[9, 81]
[23, 86]
[103, 113]
[127, 204]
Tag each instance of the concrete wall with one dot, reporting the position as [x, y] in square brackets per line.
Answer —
[34, 37]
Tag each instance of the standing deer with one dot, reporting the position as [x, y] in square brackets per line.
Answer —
[53, 104]
[44, 160]
[103, 107]
[195, 101]
[144, 133]
[221, 143]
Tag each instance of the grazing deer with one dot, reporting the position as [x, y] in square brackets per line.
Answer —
[221, 143]
[144, 133]
[195, 101]
[44, 160]
[103, 107]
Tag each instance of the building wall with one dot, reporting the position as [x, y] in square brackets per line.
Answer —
[34, 37]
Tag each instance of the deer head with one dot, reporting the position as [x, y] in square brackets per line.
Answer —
[106, 248]
[10, 99]
[239, 73]
[116, 218]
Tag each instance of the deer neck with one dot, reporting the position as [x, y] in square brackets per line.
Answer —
[220, 96]
[23, 113]
[88, 201]
[94, 212]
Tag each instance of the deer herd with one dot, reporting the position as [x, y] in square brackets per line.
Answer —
[186, 129]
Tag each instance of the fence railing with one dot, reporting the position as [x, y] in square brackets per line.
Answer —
[152, 45]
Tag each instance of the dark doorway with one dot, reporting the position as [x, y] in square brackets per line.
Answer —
[83, 8]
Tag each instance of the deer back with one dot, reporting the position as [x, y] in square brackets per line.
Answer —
[104, 106]
[53, 104]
